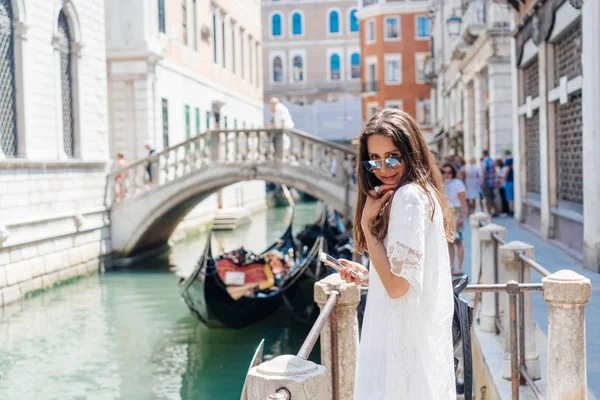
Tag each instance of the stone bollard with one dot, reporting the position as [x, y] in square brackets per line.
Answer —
[304, 379]
[487, 318]
[566, 294]
[509, 264]
[474, 220]
[347, 330]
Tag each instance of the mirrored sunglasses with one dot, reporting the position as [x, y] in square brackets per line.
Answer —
[376, 165]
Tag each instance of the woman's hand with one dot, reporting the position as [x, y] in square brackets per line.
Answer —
[348, 277]
[375, 203]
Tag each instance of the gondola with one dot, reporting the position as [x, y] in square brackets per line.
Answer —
[206, 294]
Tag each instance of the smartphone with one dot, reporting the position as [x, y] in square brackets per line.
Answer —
[335, 264]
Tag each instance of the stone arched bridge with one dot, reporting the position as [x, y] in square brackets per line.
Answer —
[143, 216]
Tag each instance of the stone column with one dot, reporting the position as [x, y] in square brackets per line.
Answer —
[500, 103]
[475, 219]
[544, 167]
[590, 14]
[468, 120]
[517, 91]
[347, 330]
[566, 294]
[487, 319]
[509, 265]
[304, 379]
[479, 111]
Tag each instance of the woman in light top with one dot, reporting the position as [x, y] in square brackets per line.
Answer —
[403, 220]
[455, 190]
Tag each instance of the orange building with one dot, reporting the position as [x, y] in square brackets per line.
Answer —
[395, 45]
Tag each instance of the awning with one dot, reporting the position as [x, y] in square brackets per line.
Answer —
[439, 137]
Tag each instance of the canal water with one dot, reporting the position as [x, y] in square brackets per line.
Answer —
[128, 334]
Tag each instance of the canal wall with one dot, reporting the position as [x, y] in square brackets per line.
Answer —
[53, 225]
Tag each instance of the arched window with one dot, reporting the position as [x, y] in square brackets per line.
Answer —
[335, 67]
[296, 24]
[277, 69]
[355, 65]
[276, 25]
[66, 80]
[334, 21]
[8, 127]
[353, 21]
[297, 69]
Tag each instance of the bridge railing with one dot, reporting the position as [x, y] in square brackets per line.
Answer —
[240, 146]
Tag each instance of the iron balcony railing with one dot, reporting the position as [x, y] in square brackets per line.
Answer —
[370, 86]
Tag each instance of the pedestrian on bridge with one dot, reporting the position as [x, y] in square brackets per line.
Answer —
[403, 220]
[281, 114]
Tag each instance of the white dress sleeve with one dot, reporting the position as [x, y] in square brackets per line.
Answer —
[406, 235]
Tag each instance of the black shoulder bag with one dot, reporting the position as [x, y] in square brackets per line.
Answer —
[461, 332]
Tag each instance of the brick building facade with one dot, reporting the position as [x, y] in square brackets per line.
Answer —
[395, 45]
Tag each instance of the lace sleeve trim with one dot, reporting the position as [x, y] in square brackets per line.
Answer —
[407, 263]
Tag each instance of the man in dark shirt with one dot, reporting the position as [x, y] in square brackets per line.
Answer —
[488, 166]
[149, 166]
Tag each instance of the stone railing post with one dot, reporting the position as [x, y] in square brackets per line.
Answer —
[340, 168]
[566, 294]
[487, 319]
[278, 145]
[509, 264]
[304, 379]
[474, 220]
[347, 330]
[215, 145]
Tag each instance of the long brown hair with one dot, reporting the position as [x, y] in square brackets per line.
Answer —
[421, 168]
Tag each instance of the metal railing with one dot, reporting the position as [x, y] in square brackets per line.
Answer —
[519, 373]
[327, 313]
[515, 290]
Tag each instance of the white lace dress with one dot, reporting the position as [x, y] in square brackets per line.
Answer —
[405, 350]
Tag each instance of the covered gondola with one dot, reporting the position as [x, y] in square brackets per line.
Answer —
[217, 304]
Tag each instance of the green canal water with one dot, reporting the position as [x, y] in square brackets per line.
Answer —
[128, 334]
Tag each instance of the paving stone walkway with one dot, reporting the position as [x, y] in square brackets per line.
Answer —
[554, 259]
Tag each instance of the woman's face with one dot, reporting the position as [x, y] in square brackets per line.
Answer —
[380, 148]
[447, 174]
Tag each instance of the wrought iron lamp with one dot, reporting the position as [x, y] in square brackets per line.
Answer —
[454, 24]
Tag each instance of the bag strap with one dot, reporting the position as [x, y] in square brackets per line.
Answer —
[465, 328]
[460, 283]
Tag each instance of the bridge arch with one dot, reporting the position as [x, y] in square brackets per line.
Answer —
[146, 222]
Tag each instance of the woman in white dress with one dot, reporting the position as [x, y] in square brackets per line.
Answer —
[404, 222]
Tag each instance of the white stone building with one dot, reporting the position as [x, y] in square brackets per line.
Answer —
[556, 127]
[177, 68]
[471, 77]
[53, 142]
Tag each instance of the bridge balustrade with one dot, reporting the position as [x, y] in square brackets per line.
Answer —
[244, 147]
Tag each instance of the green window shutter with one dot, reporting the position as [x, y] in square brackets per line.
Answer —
[187, 122]
[197, 121]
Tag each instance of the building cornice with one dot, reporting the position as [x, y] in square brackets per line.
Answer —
[488, 36]
[391, 8]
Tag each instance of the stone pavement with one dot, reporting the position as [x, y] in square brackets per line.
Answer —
[554, 259]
